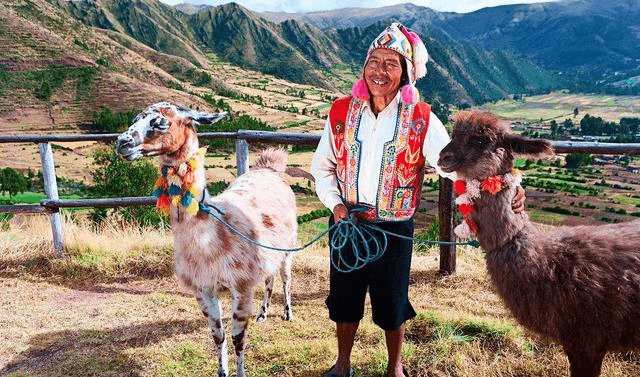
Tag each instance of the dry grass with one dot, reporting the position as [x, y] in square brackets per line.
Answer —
[112, 307]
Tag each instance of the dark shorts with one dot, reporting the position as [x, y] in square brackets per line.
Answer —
[386, 278]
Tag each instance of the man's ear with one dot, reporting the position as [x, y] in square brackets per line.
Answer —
[524, 145]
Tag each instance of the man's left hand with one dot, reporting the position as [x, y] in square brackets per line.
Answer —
[517, 203]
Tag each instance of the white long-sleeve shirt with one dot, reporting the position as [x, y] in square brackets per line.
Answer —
[373, 133]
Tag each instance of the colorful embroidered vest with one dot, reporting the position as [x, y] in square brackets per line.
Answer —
[401, 173]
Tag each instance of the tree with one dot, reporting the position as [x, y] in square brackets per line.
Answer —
[115, 177]
[12, 182]
[567, 124]
[441, 110]
[576, 160]
[554, 128]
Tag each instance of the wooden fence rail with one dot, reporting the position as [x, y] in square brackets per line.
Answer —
[52, 204]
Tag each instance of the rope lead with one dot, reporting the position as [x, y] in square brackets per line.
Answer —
[365, 247]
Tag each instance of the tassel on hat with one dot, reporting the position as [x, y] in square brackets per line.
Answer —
[410, 94]
[360, 90]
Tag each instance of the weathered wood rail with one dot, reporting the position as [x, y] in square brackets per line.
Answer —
[52, 204]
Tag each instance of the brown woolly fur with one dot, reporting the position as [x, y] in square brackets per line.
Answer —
[211, 255]
[578, 285]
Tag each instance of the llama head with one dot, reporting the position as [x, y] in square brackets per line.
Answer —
[481, 146]
[162, 129]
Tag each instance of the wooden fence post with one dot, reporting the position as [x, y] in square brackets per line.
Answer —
[51, 189]
[242, 156]
[445, 213]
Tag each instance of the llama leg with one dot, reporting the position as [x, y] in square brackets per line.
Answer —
[582, 365]
[210, 306]
[242, 307]
[268, 290]
[285, 274]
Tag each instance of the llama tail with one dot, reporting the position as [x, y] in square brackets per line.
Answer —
[272, 158]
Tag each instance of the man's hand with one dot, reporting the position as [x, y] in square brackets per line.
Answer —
[517, 203]
[340, 212]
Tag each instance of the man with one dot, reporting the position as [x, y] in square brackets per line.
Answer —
[372, 152]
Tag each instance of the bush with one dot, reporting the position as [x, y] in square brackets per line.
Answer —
[560, 210]
[216, 188]
[315, 214]
[576, 160]
[110, 122]
[115, 177]
[12, 182]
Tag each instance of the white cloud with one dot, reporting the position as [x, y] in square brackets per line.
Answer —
[293, 6]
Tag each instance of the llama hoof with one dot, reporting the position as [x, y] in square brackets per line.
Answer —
[287, 316]
[261, 317]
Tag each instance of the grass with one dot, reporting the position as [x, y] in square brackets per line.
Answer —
[545, 217]
[33, 197]
[111, 306]
[625, 199]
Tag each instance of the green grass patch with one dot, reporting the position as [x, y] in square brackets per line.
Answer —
[624, 199]
[323, 106]
[430, 328]
[544, 217]
[33, 197]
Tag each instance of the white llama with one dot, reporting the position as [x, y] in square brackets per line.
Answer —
[209, 257]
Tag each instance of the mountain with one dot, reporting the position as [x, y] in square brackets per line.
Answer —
[298, 50]
[594, 44]
[56, 71]
[63, 61]
[560, 35]
[293, 51]
[345, 18]
[458, 73]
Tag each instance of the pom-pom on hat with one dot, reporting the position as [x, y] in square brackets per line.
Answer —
[398, 38]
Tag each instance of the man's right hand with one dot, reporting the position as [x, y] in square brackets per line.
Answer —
[340, 212]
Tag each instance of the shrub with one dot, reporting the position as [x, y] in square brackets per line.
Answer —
[110, 122]
[12, 182]
[115, 177]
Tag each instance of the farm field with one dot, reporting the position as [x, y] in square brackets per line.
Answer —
[560, 105]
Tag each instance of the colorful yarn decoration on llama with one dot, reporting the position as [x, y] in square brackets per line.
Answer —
[175, 185]
[469, 190]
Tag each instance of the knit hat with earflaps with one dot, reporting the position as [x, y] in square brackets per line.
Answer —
[396, 37]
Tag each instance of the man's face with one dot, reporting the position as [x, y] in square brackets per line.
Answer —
[383, 73]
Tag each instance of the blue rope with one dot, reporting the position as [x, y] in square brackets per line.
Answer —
[365, 247]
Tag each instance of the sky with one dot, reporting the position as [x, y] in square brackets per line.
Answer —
[304, 6]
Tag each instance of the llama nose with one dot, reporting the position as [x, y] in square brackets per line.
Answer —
[124, 140]
[445, 157]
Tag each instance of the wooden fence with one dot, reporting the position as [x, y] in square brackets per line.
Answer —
[52, 204]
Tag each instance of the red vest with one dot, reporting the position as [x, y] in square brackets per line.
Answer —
[400, 181]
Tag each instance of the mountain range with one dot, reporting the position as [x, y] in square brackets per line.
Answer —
[90, 54]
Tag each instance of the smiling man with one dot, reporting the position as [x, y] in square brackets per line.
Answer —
[372, 154]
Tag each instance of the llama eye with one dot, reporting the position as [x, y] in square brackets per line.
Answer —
[480, 142]
[158, 123]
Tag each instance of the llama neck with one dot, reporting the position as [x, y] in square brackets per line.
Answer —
[497, 223]
[181, 188]
[188, 149]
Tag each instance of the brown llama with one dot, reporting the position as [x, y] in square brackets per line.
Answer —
[578, 285]
[209, 257]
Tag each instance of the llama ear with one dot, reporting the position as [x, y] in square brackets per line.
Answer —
[207, 118]
[523, 145]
